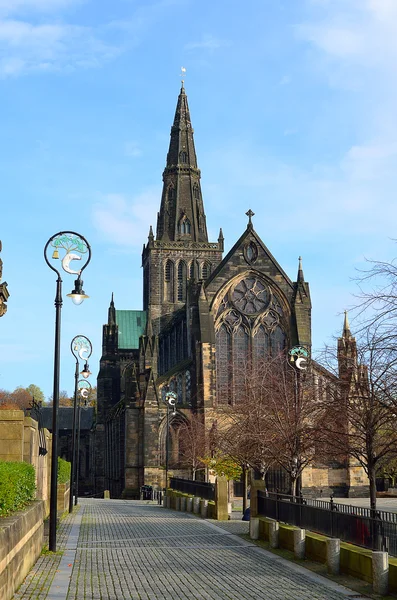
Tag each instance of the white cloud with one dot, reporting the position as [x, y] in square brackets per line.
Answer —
[207, 42]
[122, 220]
[12, 7]
[132, 149]
[27, 47]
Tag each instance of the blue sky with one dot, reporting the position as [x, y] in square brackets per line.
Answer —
[293, 106]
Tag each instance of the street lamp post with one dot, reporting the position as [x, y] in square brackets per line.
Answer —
[170, 399]
[75, 246]
[299, 358]
[84, 388]
[80, 347]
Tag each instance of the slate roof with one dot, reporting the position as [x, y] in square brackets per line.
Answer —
[65, 417]
[132, 324]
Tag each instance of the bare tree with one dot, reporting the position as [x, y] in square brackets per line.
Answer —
[192, 444]
[364, 404]
[277, 420]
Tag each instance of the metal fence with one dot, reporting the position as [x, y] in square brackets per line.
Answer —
[194, 488]
[364, 527]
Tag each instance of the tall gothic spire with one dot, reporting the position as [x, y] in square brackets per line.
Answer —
[112, 313]
[181, 215]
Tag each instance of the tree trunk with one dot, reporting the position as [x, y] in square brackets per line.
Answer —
[372, 487]
[245, 487]
[293, 486]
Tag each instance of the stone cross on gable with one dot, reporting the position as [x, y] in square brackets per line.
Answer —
[249, 214]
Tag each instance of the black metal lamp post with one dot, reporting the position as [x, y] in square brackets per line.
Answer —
[84, 388]
[299, 359]
[170, 399]
[80, 347]
[75, 247]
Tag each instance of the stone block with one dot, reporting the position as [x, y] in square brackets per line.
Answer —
[254, 528]
[189, 504]
[380, 573]
[196, 505]
[299, 543]
[204, 509]
[183, 504]
[333, 556]
[177, 503]
[274, 534]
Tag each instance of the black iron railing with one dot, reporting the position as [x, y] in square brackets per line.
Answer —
[194, 488]
[364, 527]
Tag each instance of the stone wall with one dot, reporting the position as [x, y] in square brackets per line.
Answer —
[19, 442]
[21, 541]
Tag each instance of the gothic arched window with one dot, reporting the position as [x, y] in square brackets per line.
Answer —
[205, 270]
[169, 281]
[251, 322]
[196, 191]
[183, 157]
[261, 343]
[223, 348]
[171, 192]
[184, 226]
[181, 283]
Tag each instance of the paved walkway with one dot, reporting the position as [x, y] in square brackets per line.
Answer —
[127, 550]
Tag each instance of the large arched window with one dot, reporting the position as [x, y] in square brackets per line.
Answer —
[250, 325]
[169, 281]
[183, 157]
[181, 283]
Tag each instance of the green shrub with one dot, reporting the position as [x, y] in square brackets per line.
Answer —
[63, 470]
[17, 486]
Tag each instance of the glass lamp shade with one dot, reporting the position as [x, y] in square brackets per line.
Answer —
[77, 298]
[86, 371]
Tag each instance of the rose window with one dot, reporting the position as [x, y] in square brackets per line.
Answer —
[250, 295]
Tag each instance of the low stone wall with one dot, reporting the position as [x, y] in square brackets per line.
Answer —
[21, 541]
[206, 508]
[63, 495]
[352, 560]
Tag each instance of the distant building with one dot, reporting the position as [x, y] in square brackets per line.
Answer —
[65, 424]
[203, 315]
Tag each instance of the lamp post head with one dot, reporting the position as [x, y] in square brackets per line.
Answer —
[86, 371]
[78, 295]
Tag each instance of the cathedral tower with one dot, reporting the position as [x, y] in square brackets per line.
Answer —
[180, 252]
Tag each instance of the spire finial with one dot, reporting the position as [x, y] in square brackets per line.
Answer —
[183, 71]
[112, 300]
[249, 214]
[346, 326]
[300, 270]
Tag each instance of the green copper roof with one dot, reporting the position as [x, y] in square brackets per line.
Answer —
[132, 325]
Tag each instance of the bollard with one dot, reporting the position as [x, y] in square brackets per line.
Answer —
[196, 505]
[333, 556]
[273, 534]
[254, 528]
[177, 503]
[168, 502]
[189, 504]
[106, 495]
[204, 509]
[380, 573]
[299, 543]
[183, 504]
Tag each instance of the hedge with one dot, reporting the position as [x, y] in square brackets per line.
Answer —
[17, 486]
[63, 470]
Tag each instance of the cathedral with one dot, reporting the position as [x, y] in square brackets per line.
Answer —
[203, 313]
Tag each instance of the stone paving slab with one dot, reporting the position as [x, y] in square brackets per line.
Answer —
[129, 550]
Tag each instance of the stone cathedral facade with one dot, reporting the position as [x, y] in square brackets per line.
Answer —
[202, 313]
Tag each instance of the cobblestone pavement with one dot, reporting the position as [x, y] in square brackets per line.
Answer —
[131, 550]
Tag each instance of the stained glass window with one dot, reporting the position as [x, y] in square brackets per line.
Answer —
[250, 295]
[240, 359]
[187, 387]
[223, 347]
[261, 343]
[278, 340]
